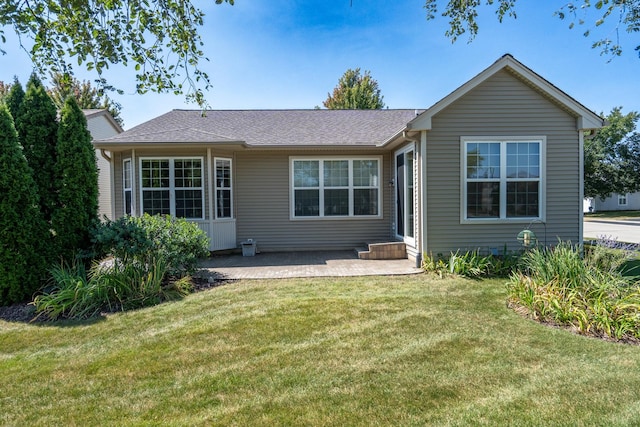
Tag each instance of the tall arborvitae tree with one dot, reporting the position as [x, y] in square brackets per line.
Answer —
[23, 233]
[76, 182]
[14, 97]
[37, 132]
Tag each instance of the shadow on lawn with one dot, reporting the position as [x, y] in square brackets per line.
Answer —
[26, 313]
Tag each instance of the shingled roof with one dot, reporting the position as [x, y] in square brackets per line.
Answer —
[270, 128]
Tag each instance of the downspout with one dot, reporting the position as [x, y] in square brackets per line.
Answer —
[104, 155]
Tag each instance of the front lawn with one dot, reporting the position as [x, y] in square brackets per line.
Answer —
[618, 215]
[411, 350]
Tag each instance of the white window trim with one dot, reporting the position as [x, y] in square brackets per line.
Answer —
[503, 194]
[626, 199]
[409, 148]
[216, 188]
[172, 187]
[321, 187]
[126, 189]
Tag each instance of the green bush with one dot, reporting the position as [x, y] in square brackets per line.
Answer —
[141, 240]
[588, 293]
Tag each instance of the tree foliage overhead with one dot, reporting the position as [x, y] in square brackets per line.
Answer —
[355, 91]
[87, 97]
[586, 14]
[612, 157]
[159, 38]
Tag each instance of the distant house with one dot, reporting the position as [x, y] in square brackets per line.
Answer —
[500, 153]
[102, 125]
[615, 202]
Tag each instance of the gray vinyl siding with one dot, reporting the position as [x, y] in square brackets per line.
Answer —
[101, 128]
[501, 106]
[262, 205]
[118, 200]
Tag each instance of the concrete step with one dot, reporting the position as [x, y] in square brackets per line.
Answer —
[384, 250]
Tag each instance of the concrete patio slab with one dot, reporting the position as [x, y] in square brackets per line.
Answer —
[279, 265]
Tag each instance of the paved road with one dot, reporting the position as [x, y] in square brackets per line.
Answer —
[623, 231]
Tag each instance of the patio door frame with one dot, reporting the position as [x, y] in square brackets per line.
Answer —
[405, 203]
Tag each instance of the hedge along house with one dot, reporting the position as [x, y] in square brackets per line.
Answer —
[502, 152]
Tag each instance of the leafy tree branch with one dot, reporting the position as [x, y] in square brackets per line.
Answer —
[159, 38]
[587, 14]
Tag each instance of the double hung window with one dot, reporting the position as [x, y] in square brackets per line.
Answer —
[503, 179]
[127, 185]
[172, 186]
[335, 187]
[622, 200]
[223, 188]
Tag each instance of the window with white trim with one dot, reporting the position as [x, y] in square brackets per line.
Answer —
[127, 185]
[622, 200]
[172, 186]
[503, 179]
[335, 187]
[223, 188]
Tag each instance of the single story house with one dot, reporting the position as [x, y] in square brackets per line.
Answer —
[615, 202]
[102, 125]
[501, 153]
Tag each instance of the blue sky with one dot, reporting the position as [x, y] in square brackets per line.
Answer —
[280, 54]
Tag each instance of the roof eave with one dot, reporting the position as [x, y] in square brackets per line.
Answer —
[121, 146]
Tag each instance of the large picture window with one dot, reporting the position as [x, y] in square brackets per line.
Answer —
[503, 179]
[172, 187]
[335, 187]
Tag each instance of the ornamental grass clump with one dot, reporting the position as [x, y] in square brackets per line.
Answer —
[78, 294]
[589, 293]
[471, 264]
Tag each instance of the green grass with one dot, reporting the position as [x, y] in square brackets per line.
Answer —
[612, 215]
[411, 350]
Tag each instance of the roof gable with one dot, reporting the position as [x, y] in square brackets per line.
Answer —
[586, 119]
[91, 114]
